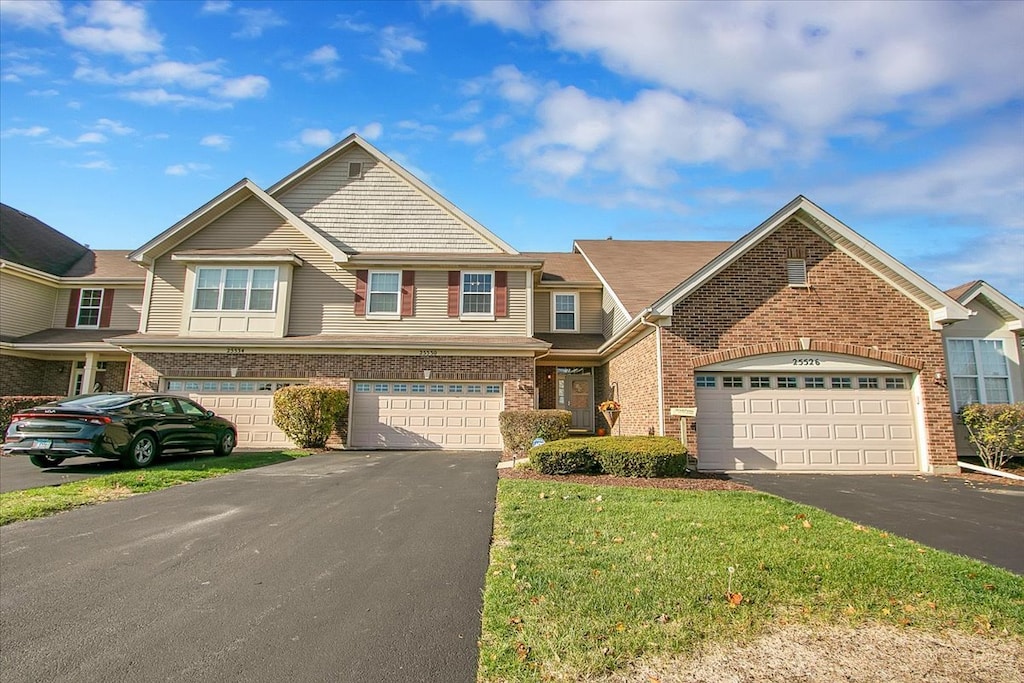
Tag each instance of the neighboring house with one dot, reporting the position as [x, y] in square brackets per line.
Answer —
[983, 353]
[59, 300]
[801, 346]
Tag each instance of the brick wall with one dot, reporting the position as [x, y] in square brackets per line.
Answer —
[634, 373]
[547, 389]
[847, 309]
[33, 377]
[516, 373]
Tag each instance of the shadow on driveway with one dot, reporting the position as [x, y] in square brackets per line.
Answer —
[983, 521]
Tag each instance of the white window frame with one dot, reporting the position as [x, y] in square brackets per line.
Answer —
[489, 315]
[98, 308]
[385, 315]
[979, 373]
[575, 311]
[248, 289]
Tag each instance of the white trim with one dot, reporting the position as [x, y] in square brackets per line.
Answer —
[1011, 311]
[575, 311]
[237, 258]
[221, 290]
[529, 316]
[978, 376]
[98, 307]
[462, 295]
[355, 140]
[384, 315]
[604, 283]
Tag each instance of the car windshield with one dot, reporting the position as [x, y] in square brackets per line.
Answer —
[97, 401]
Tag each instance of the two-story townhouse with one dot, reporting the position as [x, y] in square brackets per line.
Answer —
[983, 353]
[59, 301]
[349, 272]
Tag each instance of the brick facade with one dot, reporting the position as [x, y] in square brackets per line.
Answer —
[631, 378]
[749, 309]
[35, 377]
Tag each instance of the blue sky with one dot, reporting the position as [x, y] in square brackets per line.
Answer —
[547, 122]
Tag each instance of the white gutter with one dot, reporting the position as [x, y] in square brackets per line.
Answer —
[661, 381]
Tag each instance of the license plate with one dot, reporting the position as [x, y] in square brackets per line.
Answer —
[42, 443]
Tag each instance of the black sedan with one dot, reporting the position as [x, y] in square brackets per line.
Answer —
[135, 428]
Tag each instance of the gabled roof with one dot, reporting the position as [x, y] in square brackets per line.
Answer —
[1007, 308]
[289, 181]
[639, 272]
[22, 237]
[941, 307]
[217, 207]
[561, 268]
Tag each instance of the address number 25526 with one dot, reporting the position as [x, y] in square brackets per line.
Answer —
[806, 361]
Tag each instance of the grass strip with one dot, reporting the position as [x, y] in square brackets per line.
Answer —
[585, 579]
[16, 506]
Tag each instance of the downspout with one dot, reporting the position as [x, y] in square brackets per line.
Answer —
[661, 393]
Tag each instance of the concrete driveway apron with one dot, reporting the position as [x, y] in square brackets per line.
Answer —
[341, 567]
[983, 521]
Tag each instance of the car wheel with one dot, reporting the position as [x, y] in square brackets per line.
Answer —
[45, 461]
[225, 444]
[142, 452]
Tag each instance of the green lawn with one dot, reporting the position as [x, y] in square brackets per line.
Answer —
[16, 506]
[585, 579]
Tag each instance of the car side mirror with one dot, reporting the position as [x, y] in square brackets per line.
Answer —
[209, 413]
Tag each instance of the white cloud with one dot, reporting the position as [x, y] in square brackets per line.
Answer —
[97, 165]
[508, 14]
[244, 88]
[256, 21]
[318, 137]
[409, 128]
[395, 43]
[30, 132]
[159, 97]
[347, 22]
[112, 126]
[514, 86]
[217, 141]
[156, 78]
[326, 54]
[40, 14]
[471, 136]
[370, 131]
[216, 7]
[810, 66]
[185, 169]
[321, 64]
[115, 27]
[50, 92]
[91, 138]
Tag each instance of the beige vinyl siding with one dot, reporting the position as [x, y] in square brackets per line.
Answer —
[249, 225]
[591, 315]
[613, 317]
[379, 211]
[27, 306]
[124, 316]
[320, 309]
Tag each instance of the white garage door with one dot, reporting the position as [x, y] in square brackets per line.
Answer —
[452, 415]
[249, 403]
[757, 421]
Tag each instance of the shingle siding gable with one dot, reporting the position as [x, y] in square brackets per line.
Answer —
[378, 211]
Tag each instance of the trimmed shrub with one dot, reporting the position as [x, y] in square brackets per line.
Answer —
[620, 456]
[308, 414]
[996, 430]
[568, 456]
[9, 405]
[520, 427]
[640, 456]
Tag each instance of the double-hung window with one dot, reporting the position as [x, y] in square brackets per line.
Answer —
[477, 293]
[89, 303]
[979, 371]
[565, 313]
[235, 289]
[383, 292]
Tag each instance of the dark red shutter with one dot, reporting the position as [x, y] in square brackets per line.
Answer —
[360, 300]
[106, 307]
[454, 284]
[72, 320]
[408, 291]
[500, 294]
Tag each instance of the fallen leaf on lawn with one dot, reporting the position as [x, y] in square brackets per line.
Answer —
[598, 499]
[850, 610]
[931, 605]
[909, 608]
[599, 508]
[989, 587]
[807, 525]
[617, 539]
[734, 598]
[801, 516]
[885, 610]
[921, 550]
[543, 495]
[620, 626]
[654, 534]
[858, 527]
[784, 527]
[515, 620]
[652, 679]
[663, 618]
[522, 651]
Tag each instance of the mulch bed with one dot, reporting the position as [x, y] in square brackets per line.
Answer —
[699, 481]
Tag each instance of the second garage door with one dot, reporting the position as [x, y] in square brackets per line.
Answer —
[248, 403]
[805, 422]
[449, 415]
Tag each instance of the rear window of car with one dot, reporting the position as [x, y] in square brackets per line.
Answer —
[97, 401]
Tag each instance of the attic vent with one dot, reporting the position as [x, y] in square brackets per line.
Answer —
[796, 272]
[796, 252]
[355, 169]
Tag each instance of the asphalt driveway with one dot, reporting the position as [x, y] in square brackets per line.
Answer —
[983, 521]
[345, 567]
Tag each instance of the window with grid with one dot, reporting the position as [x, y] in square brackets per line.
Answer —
[382, 292]
[785, 382]
[979, 371]
[706, 381]
[564, 307]
[842, 382]
[760, 382]
[814, 382]
[235, 289]
[867, 382]
[89, 304]
[732, 382]
[478, 293]
[895, 383]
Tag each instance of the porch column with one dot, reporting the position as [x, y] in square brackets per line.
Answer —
[89, 373]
